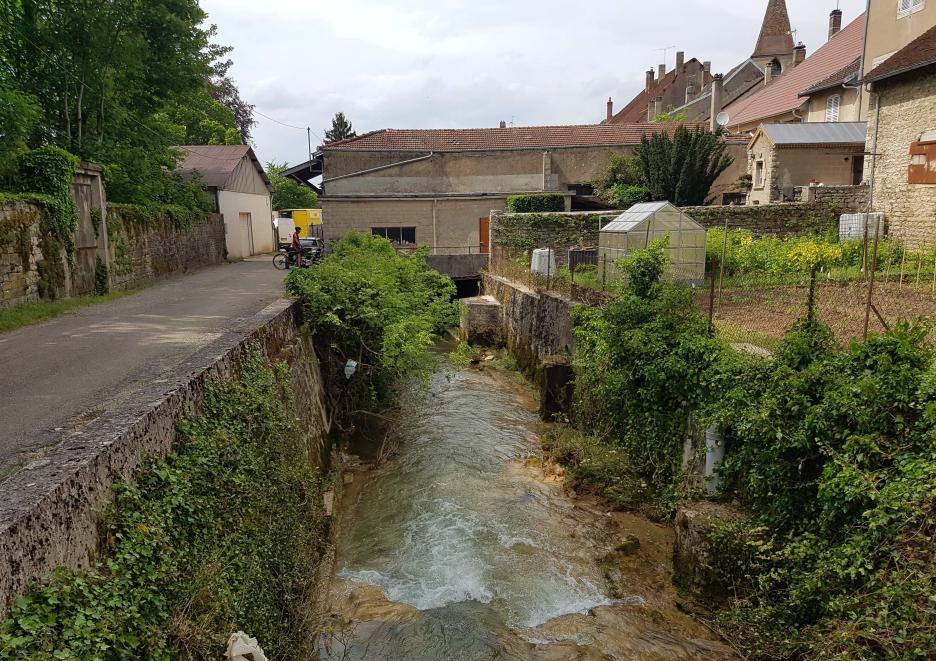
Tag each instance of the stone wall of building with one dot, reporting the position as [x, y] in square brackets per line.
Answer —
[773, 219]
[145, 249]
[907, 106]
[50, 510]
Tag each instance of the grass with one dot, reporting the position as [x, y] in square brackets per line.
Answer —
[733, 334]
[35, 313]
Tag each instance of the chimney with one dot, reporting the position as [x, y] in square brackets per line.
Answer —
[690, 91]
[503, 124]
[650, 79]
[610, 108]
[707, 67]
[835, 22]
[799, 54]
[768, 73]
[657, 107]
[680, 60]
[717, 96]
[662, 71]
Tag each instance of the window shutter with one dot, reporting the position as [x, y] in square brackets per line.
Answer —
[832, 108]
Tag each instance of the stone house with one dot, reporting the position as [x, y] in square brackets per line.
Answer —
[241, 191]
[437, 187]
[902, 132]
[784, 157]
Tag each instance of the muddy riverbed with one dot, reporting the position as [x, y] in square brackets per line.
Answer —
[463, 546]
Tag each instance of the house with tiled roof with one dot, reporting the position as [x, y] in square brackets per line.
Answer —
[437, 187]
[782, 99]
[237, 183]
[902, 122]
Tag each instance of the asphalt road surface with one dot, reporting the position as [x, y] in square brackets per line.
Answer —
[72, 368]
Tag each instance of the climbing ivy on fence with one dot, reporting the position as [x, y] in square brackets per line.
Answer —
[221, 535]
[541, 230]
[48, 172]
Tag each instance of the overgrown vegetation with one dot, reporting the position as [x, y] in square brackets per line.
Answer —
[536, 203]
[382, 310]
[831, 451]
[623, 184]
[682, 168]
[289, 194]
[221, 535]
[119, 83]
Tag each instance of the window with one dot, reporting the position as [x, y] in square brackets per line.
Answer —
[832, 108]
[907, 7]
[759, 174]
[922, 163]
[398, 235]
[775, 69]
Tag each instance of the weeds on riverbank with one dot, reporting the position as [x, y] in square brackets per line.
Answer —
[221, 535]
[831, 451]
[375, 314]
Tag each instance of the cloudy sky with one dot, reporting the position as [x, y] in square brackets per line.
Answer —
[472, 63]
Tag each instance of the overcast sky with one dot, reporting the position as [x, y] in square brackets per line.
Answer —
[472, 63]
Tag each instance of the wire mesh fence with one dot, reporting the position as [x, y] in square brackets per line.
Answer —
[755, 288]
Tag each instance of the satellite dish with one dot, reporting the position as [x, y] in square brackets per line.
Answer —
[722, 118]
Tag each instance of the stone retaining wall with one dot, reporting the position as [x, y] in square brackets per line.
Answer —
[19, 254]
[144, 250]
[536, 326]
[50, 510]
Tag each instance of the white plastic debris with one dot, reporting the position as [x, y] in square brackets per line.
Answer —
[543, 262]
[350, 368]
[242, 647]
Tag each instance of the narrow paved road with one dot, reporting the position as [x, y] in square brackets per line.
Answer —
[55, 375]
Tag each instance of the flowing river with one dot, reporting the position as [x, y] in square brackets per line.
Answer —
[459, 546]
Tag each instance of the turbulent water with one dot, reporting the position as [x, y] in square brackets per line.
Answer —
[451, 549]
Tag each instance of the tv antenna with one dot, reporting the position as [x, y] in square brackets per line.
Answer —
[664, 51]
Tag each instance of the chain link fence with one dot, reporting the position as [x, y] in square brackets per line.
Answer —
[755, 288]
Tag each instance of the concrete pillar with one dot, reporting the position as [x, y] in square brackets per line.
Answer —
[707, 67]
[768, 73]
[835, 22]
[557, 387]
[714, 455]
[658, 106]
[547, 171]
[718, 93]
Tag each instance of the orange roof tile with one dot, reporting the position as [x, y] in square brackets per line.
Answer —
[782, 95]
[521, 137]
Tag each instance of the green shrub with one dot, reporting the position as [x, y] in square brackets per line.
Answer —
[101, 283]
[367, 303]
[536, 203]
[221, 535]
[622, 196]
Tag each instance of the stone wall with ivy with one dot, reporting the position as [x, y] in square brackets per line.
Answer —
[145, 245]
[513, 233]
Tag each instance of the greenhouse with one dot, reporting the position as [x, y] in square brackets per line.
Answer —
[644, 223]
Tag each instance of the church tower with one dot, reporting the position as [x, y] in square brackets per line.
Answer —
[775, 51]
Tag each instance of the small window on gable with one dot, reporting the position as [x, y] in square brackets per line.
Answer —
[922, 163]
[832, 108]
[759, 174]
[907, 7]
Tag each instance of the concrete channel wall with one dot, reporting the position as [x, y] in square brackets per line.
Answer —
[50, 510]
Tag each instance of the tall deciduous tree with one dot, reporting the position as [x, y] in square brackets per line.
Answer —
[289, 194]
[341, 129]
[682, 168]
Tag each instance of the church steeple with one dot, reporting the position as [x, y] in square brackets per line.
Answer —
[776, 35]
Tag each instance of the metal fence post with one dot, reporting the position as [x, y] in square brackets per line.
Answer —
[877, 234]
[604, 271]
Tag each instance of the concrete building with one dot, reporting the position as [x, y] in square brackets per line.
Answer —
[804, 91]
[437, 187]
[902, 126]
[241, 190]
[892, 25]
[783, 157]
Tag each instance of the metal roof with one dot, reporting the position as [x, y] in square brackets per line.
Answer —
[816, 133]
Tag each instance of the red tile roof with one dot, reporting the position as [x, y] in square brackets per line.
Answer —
[782, 95]
[837, 79]
[918, 53]
[636, 111]
[523, 137]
